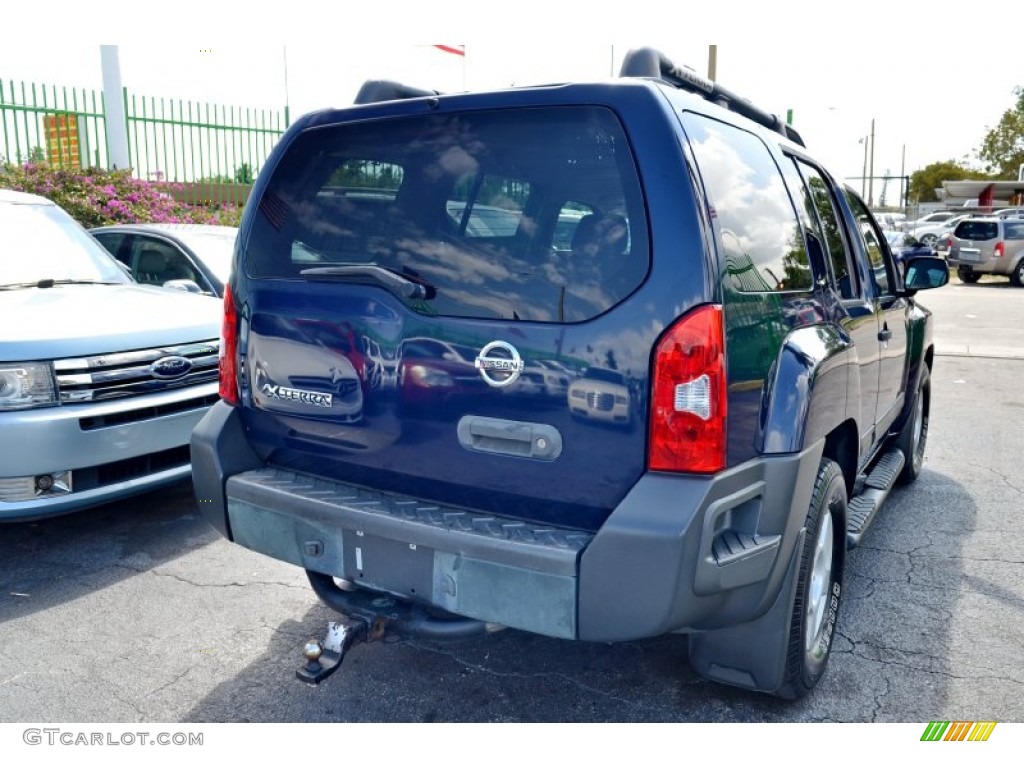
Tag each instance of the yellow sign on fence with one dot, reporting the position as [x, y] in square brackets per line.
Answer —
[62, 140]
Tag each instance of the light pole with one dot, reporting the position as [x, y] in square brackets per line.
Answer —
[871, 176]
[864, 173]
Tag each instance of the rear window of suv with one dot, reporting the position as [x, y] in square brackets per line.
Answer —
[521, 214]
[976, 230]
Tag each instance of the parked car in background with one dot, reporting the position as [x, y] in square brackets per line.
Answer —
[1009, 213]
[928, 220]
[158, 254]
[904, 246]
[988, 246]
[930, 234]
[101, 380]
[890, 220]
[602, 395]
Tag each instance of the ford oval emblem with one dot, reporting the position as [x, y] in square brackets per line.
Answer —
[171, 367]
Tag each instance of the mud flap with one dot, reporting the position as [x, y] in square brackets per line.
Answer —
[751, 655]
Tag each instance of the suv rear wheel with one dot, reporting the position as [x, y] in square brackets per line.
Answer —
[1017, 276]
[819, 584]
[967, 275]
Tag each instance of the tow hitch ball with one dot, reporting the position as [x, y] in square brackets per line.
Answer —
[324, 658]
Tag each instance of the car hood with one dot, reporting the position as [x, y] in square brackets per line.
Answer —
[74, 320]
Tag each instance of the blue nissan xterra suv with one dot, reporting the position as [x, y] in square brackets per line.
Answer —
[746, 370]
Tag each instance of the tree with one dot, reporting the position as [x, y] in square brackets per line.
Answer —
[924, 182]
[1002, 150]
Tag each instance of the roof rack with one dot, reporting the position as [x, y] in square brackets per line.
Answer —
[388, 90]
[648, 62]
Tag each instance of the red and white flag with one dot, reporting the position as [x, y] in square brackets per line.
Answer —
[458, 50]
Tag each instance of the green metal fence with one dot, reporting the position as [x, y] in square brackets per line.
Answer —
[61, 126]
[215, 150]
[200, 143]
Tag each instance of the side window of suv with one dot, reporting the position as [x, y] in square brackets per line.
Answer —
[1013, 230]
[759, 233]
[818, 198]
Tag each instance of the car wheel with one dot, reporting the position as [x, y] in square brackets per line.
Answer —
[819, 584]
[914, 434]
[929, 240]
[967, 275]
[1017, 276]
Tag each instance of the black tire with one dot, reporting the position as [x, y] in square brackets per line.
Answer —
[1017, 276]
[819, 584]
[967, 275]
[914, 435]
[929, 240]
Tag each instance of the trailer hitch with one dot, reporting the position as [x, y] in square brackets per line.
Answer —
[365, 616]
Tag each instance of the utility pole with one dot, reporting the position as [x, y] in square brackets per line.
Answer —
[904, 191]
[864, 173]
[712, 62]
[871, 174]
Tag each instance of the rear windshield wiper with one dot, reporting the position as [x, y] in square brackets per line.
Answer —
[401, 285]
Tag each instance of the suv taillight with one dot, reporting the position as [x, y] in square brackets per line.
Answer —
[688, 397]
[229, 351]
[999, 250]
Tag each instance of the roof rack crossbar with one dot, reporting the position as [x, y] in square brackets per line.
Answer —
[388, 90]
[649, 62]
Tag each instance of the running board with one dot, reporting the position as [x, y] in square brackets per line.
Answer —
[862, 508]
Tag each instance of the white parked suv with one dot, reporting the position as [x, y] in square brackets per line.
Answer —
[101, 379]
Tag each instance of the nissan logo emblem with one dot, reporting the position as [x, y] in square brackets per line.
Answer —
[499, 370]
[171, 367]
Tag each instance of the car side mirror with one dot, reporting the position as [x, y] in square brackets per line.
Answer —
[183, 285]
[924, 272]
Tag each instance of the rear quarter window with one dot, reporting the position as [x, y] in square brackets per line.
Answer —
[522, 214]
[1014, 230]
[758, 229]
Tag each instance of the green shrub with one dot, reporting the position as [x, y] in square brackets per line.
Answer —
[94, 196]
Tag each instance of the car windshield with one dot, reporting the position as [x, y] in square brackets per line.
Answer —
[215, 250]
[42, 242]
[603, 374]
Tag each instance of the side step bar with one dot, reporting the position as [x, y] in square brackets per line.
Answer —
[863, 507]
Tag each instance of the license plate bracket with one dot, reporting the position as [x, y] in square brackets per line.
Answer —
[398, 567]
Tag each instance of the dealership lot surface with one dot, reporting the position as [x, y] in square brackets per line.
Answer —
[138, 612]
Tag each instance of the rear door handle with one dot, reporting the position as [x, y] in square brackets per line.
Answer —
[510, 438]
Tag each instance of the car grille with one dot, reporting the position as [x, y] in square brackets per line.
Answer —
[601, 401]
[127, 374]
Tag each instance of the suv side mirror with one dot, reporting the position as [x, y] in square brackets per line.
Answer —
[924, 272]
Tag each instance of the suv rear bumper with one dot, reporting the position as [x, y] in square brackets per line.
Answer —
[678, 553]
[987, 266]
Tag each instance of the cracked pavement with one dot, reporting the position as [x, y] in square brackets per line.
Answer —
[138, 612]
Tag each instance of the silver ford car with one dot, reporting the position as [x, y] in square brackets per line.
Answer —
[101, 379]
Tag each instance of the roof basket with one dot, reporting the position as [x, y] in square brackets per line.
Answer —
[648, 62]
[388, 90]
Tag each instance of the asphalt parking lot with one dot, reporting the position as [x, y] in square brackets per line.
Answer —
[138, 612]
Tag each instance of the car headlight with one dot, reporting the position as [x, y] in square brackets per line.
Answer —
[26, 385]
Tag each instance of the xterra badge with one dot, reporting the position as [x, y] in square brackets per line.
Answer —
[277, 392]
